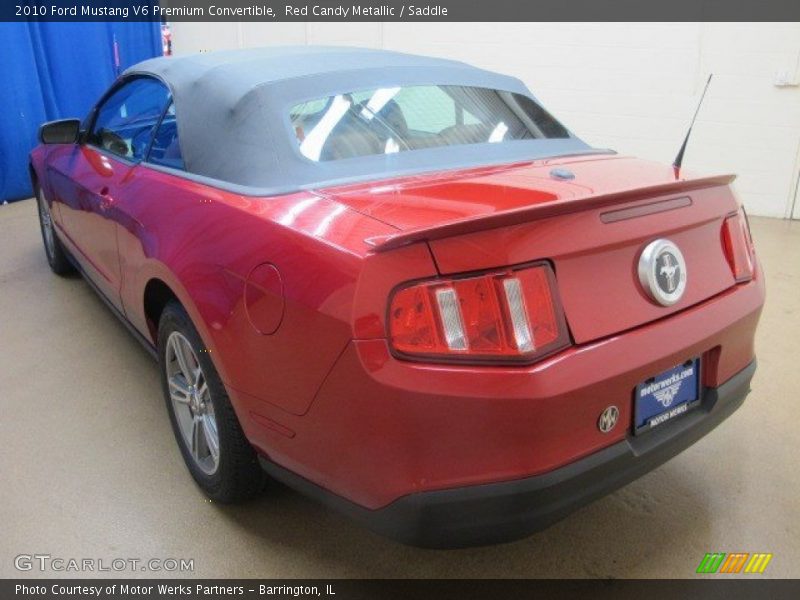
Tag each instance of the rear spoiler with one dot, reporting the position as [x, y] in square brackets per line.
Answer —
[540, 211]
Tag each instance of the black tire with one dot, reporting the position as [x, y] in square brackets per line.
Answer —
[238, 475]
[57, 256]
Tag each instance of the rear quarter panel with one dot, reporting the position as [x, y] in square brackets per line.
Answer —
[203, 243]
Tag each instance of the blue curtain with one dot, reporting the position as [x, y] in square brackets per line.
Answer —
[53, 71]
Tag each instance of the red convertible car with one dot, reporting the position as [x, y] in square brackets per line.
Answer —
[400, 285]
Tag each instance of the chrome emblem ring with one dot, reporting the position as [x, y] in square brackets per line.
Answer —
[662, 272]
[608, 419]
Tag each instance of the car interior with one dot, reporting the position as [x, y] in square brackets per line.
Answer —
[457, 116]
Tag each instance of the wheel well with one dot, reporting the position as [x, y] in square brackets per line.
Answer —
[156, 296]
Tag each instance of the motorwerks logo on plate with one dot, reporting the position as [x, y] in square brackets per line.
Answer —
[666, 390]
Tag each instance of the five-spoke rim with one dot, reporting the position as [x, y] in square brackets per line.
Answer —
[191, 401]
[47, 224]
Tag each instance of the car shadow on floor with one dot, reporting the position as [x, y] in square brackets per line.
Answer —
[630, 533]
[626, 534]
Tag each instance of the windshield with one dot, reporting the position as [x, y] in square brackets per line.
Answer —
[401, 119]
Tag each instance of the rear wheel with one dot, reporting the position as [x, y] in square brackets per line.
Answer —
[212, 442]
[56, 255]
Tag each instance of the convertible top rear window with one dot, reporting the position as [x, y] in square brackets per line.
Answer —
[399, 119]
[279, 120]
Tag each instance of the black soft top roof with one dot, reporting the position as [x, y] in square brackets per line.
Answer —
[232, 109]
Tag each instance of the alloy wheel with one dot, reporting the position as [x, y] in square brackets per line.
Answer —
[192, 404]
[47, 225]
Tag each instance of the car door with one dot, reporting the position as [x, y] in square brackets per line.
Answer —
[88, 179]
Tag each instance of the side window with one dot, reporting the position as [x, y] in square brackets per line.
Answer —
[165, 149]
[125, 121]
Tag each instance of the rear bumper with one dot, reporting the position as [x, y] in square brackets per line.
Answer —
[509, 510]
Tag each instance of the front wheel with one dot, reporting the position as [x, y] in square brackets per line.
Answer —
[56, 255]
[212, 442]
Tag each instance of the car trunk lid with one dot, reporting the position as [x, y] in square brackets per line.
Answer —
[592, 227]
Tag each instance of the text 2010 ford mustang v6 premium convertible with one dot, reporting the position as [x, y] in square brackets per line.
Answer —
[400, 285]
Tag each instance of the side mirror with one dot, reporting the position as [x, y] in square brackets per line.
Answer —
[64, 131]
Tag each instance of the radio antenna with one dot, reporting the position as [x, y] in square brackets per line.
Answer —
[679, 159]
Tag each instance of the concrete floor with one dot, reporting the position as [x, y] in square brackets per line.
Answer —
[89, 467]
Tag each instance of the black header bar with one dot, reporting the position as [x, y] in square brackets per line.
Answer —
[400, 10]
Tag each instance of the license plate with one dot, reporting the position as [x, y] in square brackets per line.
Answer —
[667, 395]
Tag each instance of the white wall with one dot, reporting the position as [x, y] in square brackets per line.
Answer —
[629, 86]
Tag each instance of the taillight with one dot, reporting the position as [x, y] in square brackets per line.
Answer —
[738, 245]
[512, 315]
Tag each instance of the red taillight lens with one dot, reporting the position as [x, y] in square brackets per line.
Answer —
[738, 246]
[513, 315]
